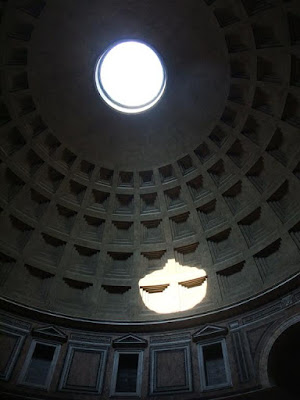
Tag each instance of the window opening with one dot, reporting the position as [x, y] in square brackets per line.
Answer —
[127, 373]
[214, 365]
[39, 365]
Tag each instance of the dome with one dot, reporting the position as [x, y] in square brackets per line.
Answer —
[92, 200]
[186, 211]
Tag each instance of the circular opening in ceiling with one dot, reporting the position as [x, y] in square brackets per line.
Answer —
[130, 77]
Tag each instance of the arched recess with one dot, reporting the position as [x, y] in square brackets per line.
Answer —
[267, 346]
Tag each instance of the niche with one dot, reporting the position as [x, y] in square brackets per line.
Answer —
[282, 372]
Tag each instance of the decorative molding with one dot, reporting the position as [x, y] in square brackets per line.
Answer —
[255, 335]
[70, 359]
[297, 297]
[16, 324]
[205, 380]
[50, 332]
[139, 372]
[240, 357]
[262, 313]
[22, 380]
[234, 325]
[170, 338]
[287, 301]
[86, 338]
[209, 331]
[5, 373]
[187, 386]
[252, 303]
[129, 341]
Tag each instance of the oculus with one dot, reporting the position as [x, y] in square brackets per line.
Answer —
[130, 77]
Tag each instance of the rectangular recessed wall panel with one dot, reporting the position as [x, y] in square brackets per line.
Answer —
[83, 380]
[10, 346]
[7, 344]
[170, 369]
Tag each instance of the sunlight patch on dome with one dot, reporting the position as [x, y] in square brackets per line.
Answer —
[174, 288]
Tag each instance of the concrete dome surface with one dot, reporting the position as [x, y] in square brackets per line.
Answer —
[93, 201]
[160, 250]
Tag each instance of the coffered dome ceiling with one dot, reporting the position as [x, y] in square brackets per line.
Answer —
[198, 78]
[104, 215]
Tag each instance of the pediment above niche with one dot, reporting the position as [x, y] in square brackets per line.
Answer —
[51, 333]
[210, 331]
[130, 341]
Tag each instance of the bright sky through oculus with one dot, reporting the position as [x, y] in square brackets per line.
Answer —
[130, 77]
